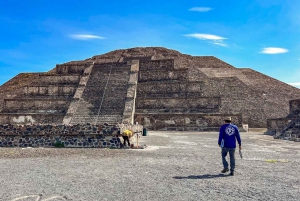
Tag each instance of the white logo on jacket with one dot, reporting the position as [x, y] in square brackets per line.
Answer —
[229, 130]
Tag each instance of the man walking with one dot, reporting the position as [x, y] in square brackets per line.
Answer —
[228, 135]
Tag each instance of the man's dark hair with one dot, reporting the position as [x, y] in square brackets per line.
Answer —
[227, 121]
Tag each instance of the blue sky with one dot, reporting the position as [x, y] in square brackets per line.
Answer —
[260, 34]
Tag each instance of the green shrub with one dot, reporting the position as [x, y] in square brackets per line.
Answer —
[59, 144]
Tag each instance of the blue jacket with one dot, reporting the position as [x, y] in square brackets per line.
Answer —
[230, 133]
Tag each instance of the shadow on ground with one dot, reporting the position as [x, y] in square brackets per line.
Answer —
[205, 176]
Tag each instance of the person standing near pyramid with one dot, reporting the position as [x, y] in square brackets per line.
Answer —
[127, 134]
[228, 136]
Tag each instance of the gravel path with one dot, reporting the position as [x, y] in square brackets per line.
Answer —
[174, 166]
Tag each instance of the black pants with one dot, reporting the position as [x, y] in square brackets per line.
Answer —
[126, 138]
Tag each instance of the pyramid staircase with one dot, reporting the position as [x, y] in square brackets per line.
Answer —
[102, 95]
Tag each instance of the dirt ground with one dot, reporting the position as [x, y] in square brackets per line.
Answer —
[174, 166]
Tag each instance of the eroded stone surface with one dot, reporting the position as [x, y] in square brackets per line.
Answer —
[102, 136]
[287, 128]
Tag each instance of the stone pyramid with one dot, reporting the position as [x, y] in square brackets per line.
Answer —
[154, 86]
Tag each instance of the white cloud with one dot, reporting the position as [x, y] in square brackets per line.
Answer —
[295, 83]
[85, 37]
[220, 44]
[214, 39]
[200, 9]
[205, 36]
[274, 50]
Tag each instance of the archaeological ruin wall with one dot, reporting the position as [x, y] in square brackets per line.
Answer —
[287, 128]
[93, 136]
[294, 108]
[168, 100]
[50, 90]
[41, 98]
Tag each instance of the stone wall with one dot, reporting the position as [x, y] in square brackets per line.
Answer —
[163, 75]
[294, 109]
[129, 107]
[237, 97]
[35, 118]
[290, 132]
[48, 79]
[181, 122]
[167, 64]
[38, 97]
[36, 105]
[69, 68]
[101, 136]
[174, 105]
[50, 90]
[276, 126]
[141, 58]
[168, 100]
[107, 60]
[287, 128]
[157, 89]
[210, 62]
[257, 96]
[15, 86]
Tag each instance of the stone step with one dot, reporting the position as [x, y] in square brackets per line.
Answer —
[103, 119]
[83, 117]
[92, 119]
[113, 106]
[96, 110]
[99, 117]
[84, 110]
[96, 121]
[177, 110]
